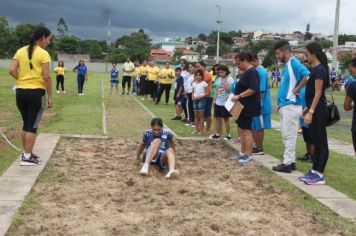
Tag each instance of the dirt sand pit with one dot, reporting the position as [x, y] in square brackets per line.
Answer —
[93, 188]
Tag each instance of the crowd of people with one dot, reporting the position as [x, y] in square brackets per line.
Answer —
[200, 96]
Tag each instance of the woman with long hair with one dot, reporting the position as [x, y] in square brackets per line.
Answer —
[30, 68]
[82, 76]
[316, 112]
[59, 70]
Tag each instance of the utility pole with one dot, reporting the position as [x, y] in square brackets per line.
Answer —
[108, 42]
[218, 21]
[336, 35]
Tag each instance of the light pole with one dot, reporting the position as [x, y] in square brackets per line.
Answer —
[336, 35]
[218, 21]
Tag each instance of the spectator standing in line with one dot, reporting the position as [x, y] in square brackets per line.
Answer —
[350, 100]
[178, 93]
[166, 79]
[143, 84]
[200, 92]
[127, 69]
[289, 102]
[152, 78]
[135, 79]
[114, 79]
[188, 89]
[264, 120]
[59, 70]
[82, 76]
[248, 93]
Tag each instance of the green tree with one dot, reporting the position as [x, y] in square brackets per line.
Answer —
[62, 28]
[69, 44]
[324, 42]
[211, 50]
[117, 56]
[5, 35]
[137, 45]
[23, 33]
[176, 56]
[346, 61]
[202, 37]
[308, 35]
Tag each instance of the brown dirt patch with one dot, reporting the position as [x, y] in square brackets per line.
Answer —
[97, 191]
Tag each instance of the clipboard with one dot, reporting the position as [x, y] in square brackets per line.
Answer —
[234, 108]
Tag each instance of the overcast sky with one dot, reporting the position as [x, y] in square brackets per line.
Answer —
[167, 18]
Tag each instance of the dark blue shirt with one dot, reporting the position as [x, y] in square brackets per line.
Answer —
[82, 70]
[114, 74]
[179, 85]
[252, 104]
[316, 73]
[166, 136]
[351, 92]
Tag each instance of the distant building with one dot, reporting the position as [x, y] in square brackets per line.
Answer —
[171, 45]
[160, 56]
[189, 54]
[73, 57]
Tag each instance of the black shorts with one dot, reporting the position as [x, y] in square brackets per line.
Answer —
[244, 122]
[221, 112]
[208, 105]
[31, 104]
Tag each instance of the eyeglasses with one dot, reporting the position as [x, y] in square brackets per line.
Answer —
[198, 75]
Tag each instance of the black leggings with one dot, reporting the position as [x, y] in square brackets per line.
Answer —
[354, 140]
[189, 106]
[60, 80]
[31, 104]
[318, 135]
[152, 88]
[126, 79]
[164, 88]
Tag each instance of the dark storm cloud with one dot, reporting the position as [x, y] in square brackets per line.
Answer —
[164, 18]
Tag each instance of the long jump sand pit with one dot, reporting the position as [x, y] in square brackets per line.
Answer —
[92, 187]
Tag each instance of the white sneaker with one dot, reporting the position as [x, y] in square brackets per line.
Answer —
[58, 91]
[144, 169]
[64, 91]
[172, 174]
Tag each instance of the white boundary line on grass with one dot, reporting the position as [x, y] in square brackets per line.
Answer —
[103, 104]
[153, 116]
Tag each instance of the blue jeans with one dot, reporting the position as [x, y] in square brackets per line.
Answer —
[80, 80]
[134, 85]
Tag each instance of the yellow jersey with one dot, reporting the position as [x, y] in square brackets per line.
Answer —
[153, 73]
[59, 70]
[144, 70]
[166, 76]
[31, 79]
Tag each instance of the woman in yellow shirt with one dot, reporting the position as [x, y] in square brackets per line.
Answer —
[30, 68]
[59, 70]
[166, 76]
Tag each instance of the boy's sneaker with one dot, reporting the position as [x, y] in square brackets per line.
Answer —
[58, 91]
[237, 157]
[176, 118]
[306, 158]
[215, 136]
[32, 161]
[257, 151]
[282, 168]
[315, 179]
[144, 169]
[245, 159]
[227, 137]
[172, 174]
[306, 176]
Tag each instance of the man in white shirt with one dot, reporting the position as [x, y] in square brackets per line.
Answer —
[128, 68]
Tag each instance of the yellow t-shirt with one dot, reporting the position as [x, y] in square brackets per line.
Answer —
[153, 73]
[31, 79]
[59, 70]
[166, 76]
[134, 73]
[144, 70]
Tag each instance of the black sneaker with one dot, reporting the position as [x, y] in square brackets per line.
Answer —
[176, 118]
[282, 168]
[293, 166]
[306, 158]
[257, 151]
[227, 137]
[215, 136]
[32, 161]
